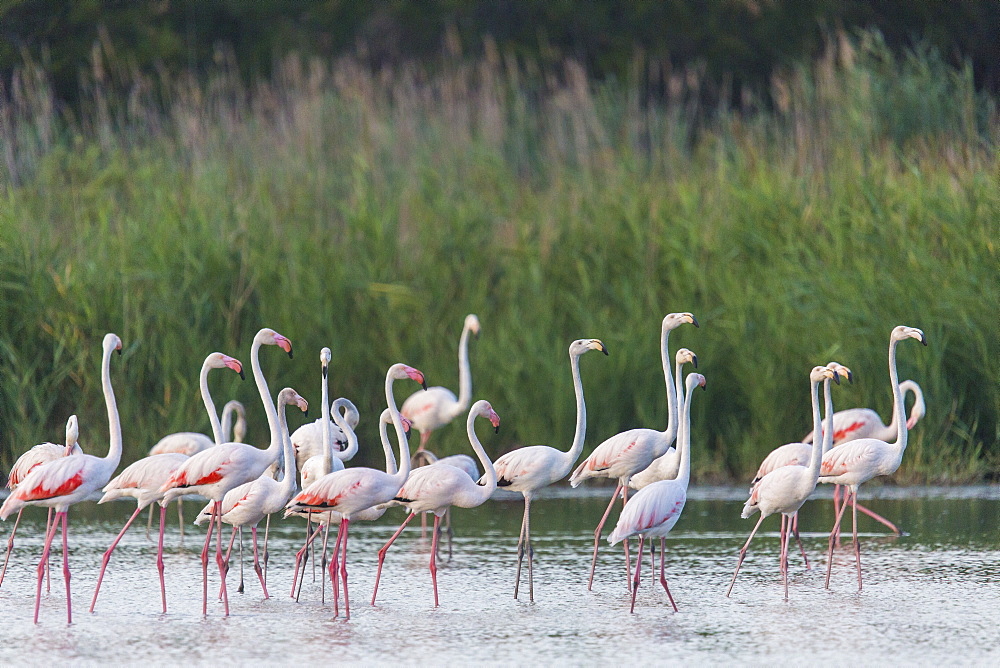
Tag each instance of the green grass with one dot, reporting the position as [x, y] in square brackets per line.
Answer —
[370, 213]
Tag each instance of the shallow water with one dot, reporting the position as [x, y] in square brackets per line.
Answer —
[929, 596]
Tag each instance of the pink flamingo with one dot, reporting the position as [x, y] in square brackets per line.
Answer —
[36, 456]
[310, 440]
[68, 480]
[438, 406]
[355, 489]
[855, 423]
[526, 470]
[215, 471]
[655, 509]
[143, 479]
[436, 488]
[859, 461]
[625, 454]
[786, 488]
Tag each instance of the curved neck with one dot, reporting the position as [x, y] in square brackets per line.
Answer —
[684, 440]
[484, 492]
[265, 397]
[206, 396]
[349, 433]
[464, 373]
[672, 398]
[390, 460]
[678, 392]
[287, 452]
[581, 412]
[819, 445]
[897, 398]
[919, 407]
[397, 422]
[115, 446]
[325, 424]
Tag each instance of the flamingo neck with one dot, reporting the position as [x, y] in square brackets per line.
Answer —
[114, 422]
[390, 460]
[581, 413]
[684, 440]
[397, 422]
[325, 424]
[287, 484]
[919, 407]
[464, 374]
[819, 445]
[206, 397]
[484, 492]
[265, 396]
[671, 432]
[352, 437]
[897, 399]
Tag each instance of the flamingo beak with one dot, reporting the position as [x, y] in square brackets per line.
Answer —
[406, 425]
[495, 421]
[694, 321]
[694, 360]
[236, 366]
[600, 346]
[836, 377]
[284, 344]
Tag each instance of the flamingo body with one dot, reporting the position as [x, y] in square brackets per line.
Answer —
[36, 456]
[142, 479]
[463, 462]
[855, 423]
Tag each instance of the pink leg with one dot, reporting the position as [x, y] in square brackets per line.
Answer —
[10, 545]
[223, 565]
[50, 533]
[834, 535]
[107, 556]
[434, 570]
[48, 579]
[159, 558]
[784, 552]
[878, 518]
[256, 563]
[323, 569]
[69, 596]
[854, 527]
[663, 577]
[343, 566]
[743, 554]
[836, 510]
[795, 531]
[204, 563]
[299, 556]
[334, 564]
[781, 544]
[229, 552]
[597, 535]
[628, 566]
[385, 548]
[638, 565]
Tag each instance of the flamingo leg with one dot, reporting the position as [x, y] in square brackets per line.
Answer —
[781, 544]
[530, 550]
[521, 548]
[241, 587]
[48, 573]
[597, 534]
[312, 550]
[795, 530]
[256, 562]
[434, 570]
[854, 527]
[334, 563]
[180, 517]
[784, 555]
[663, 577]
[743, 555]
[223, 563]
[204, 562]
[65, 542]
[344, 522]
[50, 533]
[652, 559]
[10, 545]
[322, 570]
[267, 530]
[229, 551]
[149, 522]
[107, 555]
[159, 557]
[836, 509]
[385, 548]
[299, 556]
[834, 535]
[638, 567]
[628, 569]
[878, 518]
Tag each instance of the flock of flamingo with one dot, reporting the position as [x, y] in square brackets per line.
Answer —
[303, 474]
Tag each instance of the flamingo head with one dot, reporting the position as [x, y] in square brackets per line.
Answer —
[580, 346]
[386, 417]
[472, 324]
[112, 342]
[483, 409]
[221, 361]
[290, 396]
[269, 337]
[821, 373]
[903, 332]
[347, 410]
[685, 356]
[72, 432]
[325, 356]
[675, 320]
[841, 371]
[695, 380]
[401, 371]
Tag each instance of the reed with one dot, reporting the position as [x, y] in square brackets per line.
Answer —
[370, 211]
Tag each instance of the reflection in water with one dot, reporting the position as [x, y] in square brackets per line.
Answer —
[930, 596]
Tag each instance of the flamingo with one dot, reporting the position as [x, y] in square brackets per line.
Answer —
[667, 465]
[438, 406]
[859, 461]
[625, 454]
[249, 503]
[786, 488]
[355, 489]
[36, 456]
[436, 488]
[855, 423]
[655, 509]
[310, 439]
[234, 432]
[526, 470]
[464, 463]
[215, 471]
[68, 480]
[142, 480]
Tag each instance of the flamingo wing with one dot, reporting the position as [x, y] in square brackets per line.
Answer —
[53, 479]
[527, 465]
[861, 457]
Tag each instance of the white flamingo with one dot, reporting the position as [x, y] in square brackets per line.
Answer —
[527, 470]
[435, 489]
[68, 480]
[786, 488]
[625, 454]
[859, 461]
[438, 406]
[310, 439]
[36, 456]
[355, 489]
[215, 471]
[655, 509]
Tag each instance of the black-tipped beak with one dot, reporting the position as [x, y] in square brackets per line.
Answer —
[694, 361]
[423, 384]
[836, 377]
[290, 355]
[325, 369]
[120, 350]
[243, 376]
[496, 429]
[694, 321]
[306, 412]
[923, 340]
[850, 377]
[604, 349]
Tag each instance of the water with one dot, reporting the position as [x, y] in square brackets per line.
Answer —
[929, 596]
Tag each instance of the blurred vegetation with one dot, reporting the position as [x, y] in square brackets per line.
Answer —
[370, 210]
